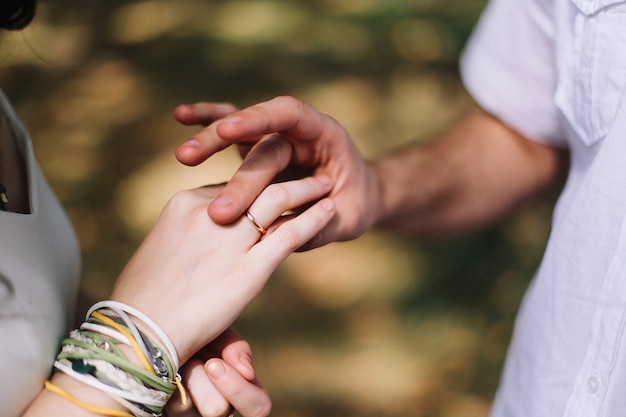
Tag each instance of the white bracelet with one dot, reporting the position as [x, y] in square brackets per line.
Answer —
[167, 343]
[105, 331]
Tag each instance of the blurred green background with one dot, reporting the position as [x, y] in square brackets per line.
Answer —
[382, 326]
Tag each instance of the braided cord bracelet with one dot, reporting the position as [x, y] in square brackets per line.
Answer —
[93, 355]
[171, 350]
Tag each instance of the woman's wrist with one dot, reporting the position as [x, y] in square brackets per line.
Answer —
[83, 400]
[118, 353]
[70, 398]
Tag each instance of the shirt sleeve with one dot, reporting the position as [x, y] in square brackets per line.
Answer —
[509, 67]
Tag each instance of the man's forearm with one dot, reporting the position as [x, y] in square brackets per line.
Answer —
[472, 175]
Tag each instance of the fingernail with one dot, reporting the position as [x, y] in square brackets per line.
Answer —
[232, 119]
[324, 180]
[193, 143]
[328, 204]
[247, 360]
[222, 201]
[215, 369]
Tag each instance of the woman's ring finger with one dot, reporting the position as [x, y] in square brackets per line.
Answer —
[256, 224]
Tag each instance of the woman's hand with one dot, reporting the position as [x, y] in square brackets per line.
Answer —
[194, 277]
[220, 379]
[313, 142]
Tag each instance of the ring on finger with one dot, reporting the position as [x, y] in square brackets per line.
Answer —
[256, 224]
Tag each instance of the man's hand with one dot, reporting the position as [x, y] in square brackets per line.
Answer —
[288, 137]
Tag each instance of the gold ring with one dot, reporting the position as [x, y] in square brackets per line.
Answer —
[256, 224]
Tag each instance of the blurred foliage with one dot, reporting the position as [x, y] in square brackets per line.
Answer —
[383, 325]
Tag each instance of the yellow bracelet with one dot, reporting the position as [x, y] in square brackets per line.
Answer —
[94, 409]
[131, 339]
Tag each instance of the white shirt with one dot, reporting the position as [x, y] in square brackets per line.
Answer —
[556, 71]
[39, 272]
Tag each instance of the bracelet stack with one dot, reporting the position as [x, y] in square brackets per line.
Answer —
[92, 355]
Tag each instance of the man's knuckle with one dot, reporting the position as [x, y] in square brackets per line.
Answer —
[278, 193]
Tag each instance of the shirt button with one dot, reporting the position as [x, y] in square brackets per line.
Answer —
[593, 384]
